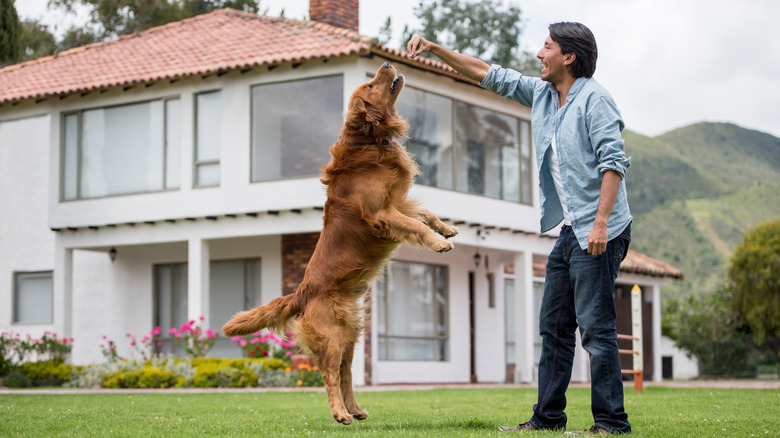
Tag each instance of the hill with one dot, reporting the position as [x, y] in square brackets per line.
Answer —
[695, 191]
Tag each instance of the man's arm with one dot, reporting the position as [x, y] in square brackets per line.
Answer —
[597, 239]
[468, 66]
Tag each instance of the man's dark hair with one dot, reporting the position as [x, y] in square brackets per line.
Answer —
[578, 39]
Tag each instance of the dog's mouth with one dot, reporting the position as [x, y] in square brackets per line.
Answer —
[394, 85]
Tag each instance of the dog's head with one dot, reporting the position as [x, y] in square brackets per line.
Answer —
[371, 109]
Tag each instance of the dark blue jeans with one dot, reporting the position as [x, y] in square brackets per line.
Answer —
[578, 291]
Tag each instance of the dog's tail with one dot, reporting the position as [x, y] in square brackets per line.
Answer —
[274, 315]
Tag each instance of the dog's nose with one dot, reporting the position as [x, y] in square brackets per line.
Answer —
[386, 65]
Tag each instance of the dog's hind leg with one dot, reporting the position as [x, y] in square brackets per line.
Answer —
[325, 341]
[346, 384]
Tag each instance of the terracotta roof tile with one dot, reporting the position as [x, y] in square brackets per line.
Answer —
[216, 42]
[635, 263]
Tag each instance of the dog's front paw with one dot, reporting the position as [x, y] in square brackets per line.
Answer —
[448, 231]
[442, 246]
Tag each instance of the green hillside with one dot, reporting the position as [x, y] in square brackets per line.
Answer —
[695, 191]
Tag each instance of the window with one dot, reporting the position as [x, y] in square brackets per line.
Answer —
[121, 150]
[412, 312]
[235, 285]
[509, 318]
[293, 126]
[170, 301]
[430, 135]
[208, 133]
[33, 298]
[489, 152]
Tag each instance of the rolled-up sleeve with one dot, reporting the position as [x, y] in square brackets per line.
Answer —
[510, 84]
[605, 131]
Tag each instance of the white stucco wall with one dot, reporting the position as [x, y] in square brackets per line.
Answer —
[26, 243]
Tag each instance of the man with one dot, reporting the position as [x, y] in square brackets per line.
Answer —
[579, 151]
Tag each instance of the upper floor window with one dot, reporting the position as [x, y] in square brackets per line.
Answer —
[490, 152]
[208, 133]
[293, 126]
[33, 298]
[121, 150]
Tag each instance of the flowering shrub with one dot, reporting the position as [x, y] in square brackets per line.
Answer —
[148, 346]
[266, 344]
[196, 343]
[306, 375]
[109, 350]
[16, 349]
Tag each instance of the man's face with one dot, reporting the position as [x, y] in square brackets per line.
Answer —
[554, 63]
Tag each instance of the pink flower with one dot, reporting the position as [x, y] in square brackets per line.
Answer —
[255, 341]
[111, 347]
[243, 343]
[178, 335]
[159, 344]
[202, 317]
[156, 331]
[236, 339]
[104, 337]
[172, 331]
[289, 353]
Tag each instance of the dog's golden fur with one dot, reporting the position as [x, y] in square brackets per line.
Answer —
[367, 215]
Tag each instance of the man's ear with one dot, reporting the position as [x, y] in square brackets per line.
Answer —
[569, 58]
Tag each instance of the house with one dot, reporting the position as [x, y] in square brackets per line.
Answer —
[173, 174]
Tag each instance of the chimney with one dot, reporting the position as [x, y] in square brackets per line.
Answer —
[339, 13]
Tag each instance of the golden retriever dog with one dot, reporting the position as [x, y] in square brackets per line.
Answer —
[367, 215]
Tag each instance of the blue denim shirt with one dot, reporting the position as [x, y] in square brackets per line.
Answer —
[589, 139]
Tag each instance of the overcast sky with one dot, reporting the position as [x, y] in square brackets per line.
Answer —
[667, 63]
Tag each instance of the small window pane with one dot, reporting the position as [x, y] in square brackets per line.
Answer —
[33, 298]
[71, 157]
[172, 143]
[208, 174]
[294, 125]
[209, 129]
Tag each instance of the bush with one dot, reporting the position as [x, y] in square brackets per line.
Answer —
[48, 373]
[16, 379]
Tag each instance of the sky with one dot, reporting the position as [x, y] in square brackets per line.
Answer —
[667, 63]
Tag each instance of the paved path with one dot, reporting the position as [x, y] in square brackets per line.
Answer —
[717, 384]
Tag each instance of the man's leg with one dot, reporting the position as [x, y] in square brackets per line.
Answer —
[557, 326]
[594, 283]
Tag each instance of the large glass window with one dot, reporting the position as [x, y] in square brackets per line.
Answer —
[121, 150]
[170, 302]
[411, 320]
[208, 133]
[430, 135]
[294, 125]
[33, 298]
[490, 151]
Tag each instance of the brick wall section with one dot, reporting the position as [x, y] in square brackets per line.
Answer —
[339, 13]
[296, 252]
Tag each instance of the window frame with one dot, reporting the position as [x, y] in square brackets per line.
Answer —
[79, 113]
[15, 296]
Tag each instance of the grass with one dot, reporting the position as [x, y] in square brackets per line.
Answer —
[657, 412]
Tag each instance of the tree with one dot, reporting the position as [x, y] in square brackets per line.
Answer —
[112, 18]
[9, 32]
[754, 275]
[486, 30]
[35, 40]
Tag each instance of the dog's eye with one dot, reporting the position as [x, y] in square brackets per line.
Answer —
[370, 86]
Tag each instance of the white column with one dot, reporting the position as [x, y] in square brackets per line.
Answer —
[198, 280]
[63, 289]
[657, 363]
[524, 318]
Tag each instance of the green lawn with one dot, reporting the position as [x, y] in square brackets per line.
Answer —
[658, 412]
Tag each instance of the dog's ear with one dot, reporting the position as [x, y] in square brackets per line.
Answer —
[362, 112]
